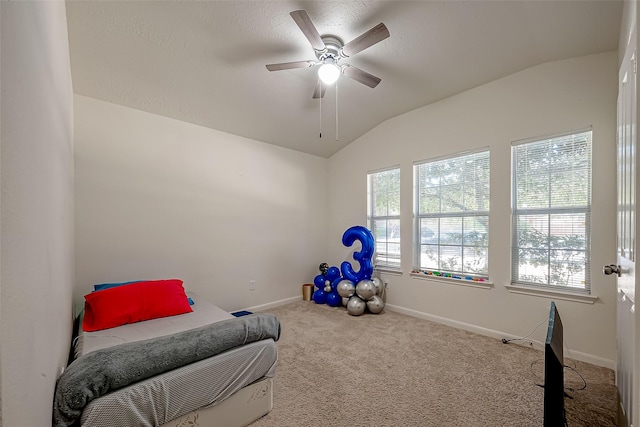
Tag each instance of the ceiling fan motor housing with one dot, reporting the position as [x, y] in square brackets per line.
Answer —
[333, 49]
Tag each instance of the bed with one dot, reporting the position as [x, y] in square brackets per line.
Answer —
[203, 367]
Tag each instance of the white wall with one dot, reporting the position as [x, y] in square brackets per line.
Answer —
[551, 98]
[161, 198]
[627, 25]
[37, 208]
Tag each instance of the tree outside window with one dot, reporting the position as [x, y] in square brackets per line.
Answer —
[384, 216]
[452, 214]
[551, 211]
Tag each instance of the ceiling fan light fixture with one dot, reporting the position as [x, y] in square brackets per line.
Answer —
[329, 50]
[329, 73]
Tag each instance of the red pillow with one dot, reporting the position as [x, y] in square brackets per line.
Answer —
[134, 302]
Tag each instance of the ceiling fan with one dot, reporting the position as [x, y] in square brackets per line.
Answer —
[330, 50]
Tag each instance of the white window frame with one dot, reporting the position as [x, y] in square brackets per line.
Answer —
[384, 258]
[463, 214]
[550, 211]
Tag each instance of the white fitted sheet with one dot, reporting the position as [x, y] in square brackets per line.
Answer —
[203, 313]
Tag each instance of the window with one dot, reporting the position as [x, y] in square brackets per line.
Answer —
[452, 215]
[383, 191]
[551, 211]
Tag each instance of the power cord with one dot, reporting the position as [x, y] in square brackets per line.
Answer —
[572, 390]
[526, 337]
[573, 368]
[584, 382]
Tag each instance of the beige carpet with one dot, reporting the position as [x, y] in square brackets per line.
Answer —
[395, 370]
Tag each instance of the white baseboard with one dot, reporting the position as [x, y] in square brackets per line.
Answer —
[273, 304]
[577, 355]
[590, 358]
[573, 354]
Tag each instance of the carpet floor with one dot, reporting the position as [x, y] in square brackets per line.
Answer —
[395, 370]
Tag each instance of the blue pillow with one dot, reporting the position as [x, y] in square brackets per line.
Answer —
[102, 286]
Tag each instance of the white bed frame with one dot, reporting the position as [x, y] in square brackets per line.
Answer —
[238, 410]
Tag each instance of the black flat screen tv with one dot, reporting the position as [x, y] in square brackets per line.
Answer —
[554, 414]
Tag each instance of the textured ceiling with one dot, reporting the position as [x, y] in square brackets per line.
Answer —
[204, 62]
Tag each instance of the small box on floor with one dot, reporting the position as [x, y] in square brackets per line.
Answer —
[241, 313]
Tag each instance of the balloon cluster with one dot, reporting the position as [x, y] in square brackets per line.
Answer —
[326, 284]
[365, 294]
[352, 289]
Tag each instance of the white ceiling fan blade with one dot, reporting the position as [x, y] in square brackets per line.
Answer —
[290, 65]
[311, 33]
[320, 90]
[368, 39]
[361, 76]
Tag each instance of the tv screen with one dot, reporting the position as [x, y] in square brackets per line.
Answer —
[554, 414]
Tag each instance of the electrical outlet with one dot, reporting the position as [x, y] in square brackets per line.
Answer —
[252, 285]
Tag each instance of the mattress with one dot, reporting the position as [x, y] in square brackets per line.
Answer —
[160, 399]
[239, 410]
[203, 313]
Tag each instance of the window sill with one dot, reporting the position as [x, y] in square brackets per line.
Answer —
[449, 280]
[549, 293]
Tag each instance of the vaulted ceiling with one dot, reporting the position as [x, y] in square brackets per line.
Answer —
[203, 62]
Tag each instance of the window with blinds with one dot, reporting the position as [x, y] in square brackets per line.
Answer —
[452, 215]
[383, 215]
[551, 208]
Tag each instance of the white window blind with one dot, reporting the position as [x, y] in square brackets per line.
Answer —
[551, 212]
[383, 191]
[452, 214]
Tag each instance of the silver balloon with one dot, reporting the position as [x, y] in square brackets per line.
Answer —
[365, 289]
[355, 306]
[345, 300]
[375, 304]
[377, 282]
[327, 286]
[346, 288]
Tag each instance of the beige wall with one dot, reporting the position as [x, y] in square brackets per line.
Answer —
[551, 98]
[37, 208]
[161, 198]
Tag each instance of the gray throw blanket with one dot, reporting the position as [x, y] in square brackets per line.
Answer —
[102, 371]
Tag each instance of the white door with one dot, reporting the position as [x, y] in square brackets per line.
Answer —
[627, 328]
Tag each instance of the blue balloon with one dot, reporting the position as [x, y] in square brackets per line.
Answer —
[348, 273]
[334, 299]
[363, 256]
[320, 296]
[334, 284]
[332, 273]
[319, 281]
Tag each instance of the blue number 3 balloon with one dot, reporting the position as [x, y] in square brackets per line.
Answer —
[363, 257]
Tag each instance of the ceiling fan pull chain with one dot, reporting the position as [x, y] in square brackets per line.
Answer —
[320, 116]
[336, 111]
